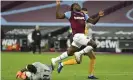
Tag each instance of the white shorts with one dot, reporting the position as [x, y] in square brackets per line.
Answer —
[80, 39]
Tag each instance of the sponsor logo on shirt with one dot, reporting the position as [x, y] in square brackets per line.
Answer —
[80, 18]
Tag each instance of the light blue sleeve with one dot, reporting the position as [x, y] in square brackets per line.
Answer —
[86, 17]
[68, 14]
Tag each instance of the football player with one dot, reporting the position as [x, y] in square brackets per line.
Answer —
[35, 71]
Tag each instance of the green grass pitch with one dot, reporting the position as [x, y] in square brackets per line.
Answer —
[108, 66]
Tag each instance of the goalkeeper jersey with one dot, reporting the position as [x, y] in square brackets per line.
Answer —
[43, 72]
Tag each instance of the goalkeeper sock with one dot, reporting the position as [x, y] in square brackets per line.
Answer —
[70, 62]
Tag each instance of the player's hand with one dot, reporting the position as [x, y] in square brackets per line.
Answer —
[58, 2]
[21, 75]
[101, 13]
[18, 75]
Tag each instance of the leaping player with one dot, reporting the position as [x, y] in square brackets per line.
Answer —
[90, 55]
[78, 21]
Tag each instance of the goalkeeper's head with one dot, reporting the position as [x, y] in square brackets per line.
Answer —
[31, 68]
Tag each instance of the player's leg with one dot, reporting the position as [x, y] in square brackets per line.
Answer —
[89, 51]
[64, 55]
[39, 46]
[31, 46]
[83, 40]
[68, 62]
[79, 39]
[92, 57]
[34, 47]
[74, 47]
[71, 61]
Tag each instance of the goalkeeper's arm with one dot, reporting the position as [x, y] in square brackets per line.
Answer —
[19, 73]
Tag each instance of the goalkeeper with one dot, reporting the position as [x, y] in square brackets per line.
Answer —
[35, 71]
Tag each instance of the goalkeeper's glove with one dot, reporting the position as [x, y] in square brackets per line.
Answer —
[18, 75]
[21, 75]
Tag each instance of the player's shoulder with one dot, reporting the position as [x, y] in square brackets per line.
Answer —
[68, 12]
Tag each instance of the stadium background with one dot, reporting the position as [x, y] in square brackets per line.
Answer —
[113, 33]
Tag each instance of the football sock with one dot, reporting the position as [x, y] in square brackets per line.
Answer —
[70, 62]
[92, 65]
[61, 57]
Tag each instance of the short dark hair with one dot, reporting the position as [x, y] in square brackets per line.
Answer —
[84, 9]
[31, 68]
[72, 6]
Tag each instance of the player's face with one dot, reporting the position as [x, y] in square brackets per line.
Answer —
[77, 7]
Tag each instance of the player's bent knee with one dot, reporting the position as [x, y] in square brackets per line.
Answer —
[70, 52]
[92, 43]
[88, 49]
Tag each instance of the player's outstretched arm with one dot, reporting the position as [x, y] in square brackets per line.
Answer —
[95, 20]
[58, 14]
